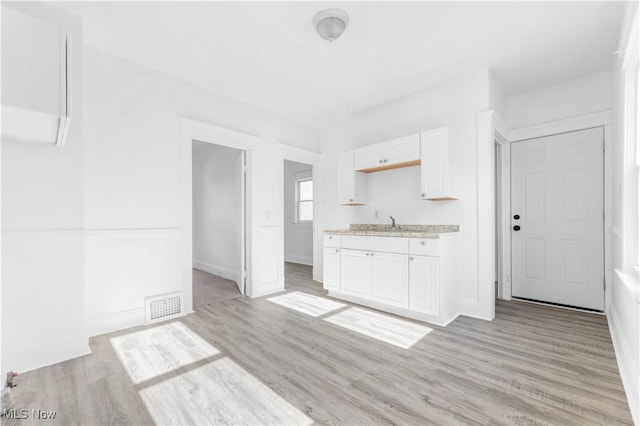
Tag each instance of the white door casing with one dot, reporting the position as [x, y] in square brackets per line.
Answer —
[557, 190]
[241, 268]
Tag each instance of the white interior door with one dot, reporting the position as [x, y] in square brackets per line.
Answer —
[241, 268]
[557, 219]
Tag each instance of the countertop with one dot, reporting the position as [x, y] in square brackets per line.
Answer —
[406, 231]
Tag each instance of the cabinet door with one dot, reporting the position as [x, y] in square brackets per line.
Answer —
[352, 185]
[33, 64]
[389, 278]
[402, 150]
[331, 268]
[424, 273]
[435, 169]
[369, 157]
[355, 268]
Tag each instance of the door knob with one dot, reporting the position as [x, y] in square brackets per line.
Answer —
[516, 217]
[516, 228]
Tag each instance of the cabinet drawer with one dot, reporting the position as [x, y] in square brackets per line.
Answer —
[424, 246]
[382, 244]
[332, 241]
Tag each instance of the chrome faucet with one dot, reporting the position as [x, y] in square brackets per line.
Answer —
[393, 223]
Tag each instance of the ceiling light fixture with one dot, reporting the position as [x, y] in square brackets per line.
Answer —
[331, 23]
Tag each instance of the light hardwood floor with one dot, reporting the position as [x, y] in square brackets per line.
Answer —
[258, 361]
[209, 288]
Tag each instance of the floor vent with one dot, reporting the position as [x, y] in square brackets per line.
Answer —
[163, 307]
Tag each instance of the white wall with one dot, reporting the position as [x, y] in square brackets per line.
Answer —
[43, 233]
[623, 311]
[134, 185]
[570, 99]
[216, 189]
[397, 192]
[298, 237]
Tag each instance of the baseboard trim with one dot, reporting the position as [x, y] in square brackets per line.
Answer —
[32, 358]
[302, 260]
[215, 270]
[266, 289]
[628, 369]
[432, 319]
[471, 308]
[114, 322]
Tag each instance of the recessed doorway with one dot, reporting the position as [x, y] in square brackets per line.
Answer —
[298, 220]
[218, 194]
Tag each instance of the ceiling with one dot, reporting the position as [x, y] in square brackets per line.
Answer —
[268, 55]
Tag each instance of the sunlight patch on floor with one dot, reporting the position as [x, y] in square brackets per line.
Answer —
[379, 326]
[155, 351]
[307, 303]
[220, 392]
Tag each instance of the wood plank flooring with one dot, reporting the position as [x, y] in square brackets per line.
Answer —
[209, 288]
[532, 365]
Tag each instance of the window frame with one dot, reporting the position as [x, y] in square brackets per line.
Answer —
[631, 135]
[297, 183]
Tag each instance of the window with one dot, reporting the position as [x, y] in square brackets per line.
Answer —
[304, 200]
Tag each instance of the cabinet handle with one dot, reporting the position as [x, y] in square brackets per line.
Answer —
[367, 254]
[422, 243]
[372, 254]
[422, 195]
[380, 161]
[384, 161]
[337, 251]
[330, 237]
[410, 257]
[351, 200]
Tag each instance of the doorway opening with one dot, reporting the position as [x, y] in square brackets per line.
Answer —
[219, 221]
[298, 223]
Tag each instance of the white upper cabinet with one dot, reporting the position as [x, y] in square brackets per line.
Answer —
[435, 165]
[352, 185]
[35, 78]
[401, 152]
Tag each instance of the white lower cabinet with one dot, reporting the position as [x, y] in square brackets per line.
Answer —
[355, 272]
[407, 276]
[332, 268]
[382, 277]
[424, 284]
[390, 278]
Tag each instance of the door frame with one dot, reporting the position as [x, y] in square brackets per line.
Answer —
[191, 130]
[599, 119]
